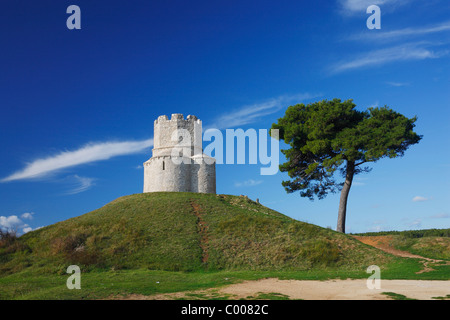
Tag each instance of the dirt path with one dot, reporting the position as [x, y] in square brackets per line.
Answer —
[383, 243]
[202, 229]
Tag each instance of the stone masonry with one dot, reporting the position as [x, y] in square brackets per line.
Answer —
[177, 162]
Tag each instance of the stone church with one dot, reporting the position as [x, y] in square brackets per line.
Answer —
[178, 162]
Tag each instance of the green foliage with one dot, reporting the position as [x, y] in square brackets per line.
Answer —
[327, 134]
[447, 297]
[396, 296]
[268, 296]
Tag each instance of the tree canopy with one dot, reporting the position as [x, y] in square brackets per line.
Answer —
[327, 136]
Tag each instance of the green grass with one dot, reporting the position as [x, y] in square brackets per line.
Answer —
[169, 242]
[268, 296]
[447, 297]
[396, 296]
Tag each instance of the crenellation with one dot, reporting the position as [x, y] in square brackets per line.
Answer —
[177, 116]
[162, 118]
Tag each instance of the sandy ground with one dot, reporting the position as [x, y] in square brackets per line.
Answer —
[340, 289]
[315, 290]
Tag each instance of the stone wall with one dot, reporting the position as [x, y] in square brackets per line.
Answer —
[196, 172]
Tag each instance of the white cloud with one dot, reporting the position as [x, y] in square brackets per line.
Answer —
[14, 223]
[397, 84]
[27, 229]
[405, 52]
[81, 184]
[402, 33]
[420, 199]
[27, 215]
[254, 112]
[248, 183]
[376, 228]
[10, 222]
[351, 7]
[88, 153]
[417, 223]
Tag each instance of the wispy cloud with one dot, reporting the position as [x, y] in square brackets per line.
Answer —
[359, 181]
[248, 183]
[251, 113]
[441, 216]
[351, 7]
[377, 226]
[375, 104]
[405, 52]
[417, 223]
[397, 84]
[401, 33]
[420, 199]
[88, 153]
[80, 184]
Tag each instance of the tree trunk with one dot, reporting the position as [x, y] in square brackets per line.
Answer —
[350, 171]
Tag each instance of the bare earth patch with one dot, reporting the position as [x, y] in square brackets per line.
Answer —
[313, 290]
[340, 289]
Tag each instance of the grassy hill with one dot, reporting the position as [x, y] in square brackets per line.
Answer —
[185, 232]
[169, 242]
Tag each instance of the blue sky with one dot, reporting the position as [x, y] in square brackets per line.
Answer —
[78, 106]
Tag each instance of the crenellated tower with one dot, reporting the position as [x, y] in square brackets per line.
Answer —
[177, 162]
